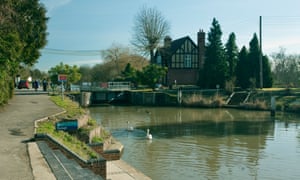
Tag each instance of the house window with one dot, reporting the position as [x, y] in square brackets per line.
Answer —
[187, 61]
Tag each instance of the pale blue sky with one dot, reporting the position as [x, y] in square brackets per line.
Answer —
[79, 29]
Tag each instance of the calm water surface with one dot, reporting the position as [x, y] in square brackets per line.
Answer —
[191, 143]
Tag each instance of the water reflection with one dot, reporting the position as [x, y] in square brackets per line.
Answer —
[204, 143]
[210, 128]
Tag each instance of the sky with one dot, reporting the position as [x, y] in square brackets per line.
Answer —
[79, 29]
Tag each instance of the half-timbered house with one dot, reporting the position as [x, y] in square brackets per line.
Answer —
[183, 58]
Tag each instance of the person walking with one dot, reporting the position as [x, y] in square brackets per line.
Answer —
[35, 85]
[45, 85]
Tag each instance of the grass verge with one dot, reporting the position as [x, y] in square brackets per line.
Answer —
[70, 141]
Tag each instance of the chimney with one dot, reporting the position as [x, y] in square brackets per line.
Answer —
[167, 42]
[201, 47]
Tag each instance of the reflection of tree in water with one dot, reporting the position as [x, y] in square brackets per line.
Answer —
[232, 139]
[209, 122]
[213, 128]
[292, 121]
[219, 143]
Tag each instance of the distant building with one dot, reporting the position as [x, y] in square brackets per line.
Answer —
[183, 58]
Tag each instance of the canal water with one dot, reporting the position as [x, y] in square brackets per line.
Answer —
[192, 143]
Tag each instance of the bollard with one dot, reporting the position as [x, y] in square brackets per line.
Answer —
[85, 99]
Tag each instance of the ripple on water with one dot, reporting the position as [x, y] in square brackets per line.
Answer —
[202, 144]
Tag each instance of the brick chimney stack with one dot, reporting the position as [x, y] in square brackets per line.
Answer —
[201, 47]
[167, 42]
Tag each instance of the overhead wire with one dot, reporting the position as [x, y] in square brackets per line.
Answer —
[267, 21]
[281, 20]
[71, 52]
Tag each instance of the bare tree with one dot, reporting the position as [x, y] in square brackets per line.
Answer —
[114, 54]
[115, 60]
[150, 27]
[286, 68]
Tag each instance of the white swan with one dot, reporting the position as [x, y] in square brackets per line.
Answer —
[148, 136]
[129, 128]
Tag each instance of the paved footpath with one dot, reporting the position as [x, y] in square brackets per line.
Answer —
[17, 125]
[21, 159]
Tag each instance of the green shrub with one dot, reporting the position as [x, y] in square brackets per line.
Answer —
[92, 122]
[97, 139]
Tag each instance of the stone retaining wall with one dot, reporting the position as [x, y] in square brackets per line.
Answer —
[98, 166]
[96, 132]
[83, 120]
[109, 151]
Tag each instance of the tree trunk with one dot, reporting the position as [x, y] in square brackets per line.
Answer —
[152, 61]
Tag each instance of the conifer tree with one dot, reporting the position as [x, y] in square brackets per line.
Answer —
[267, 74]
[232, 54]
[242, 69]
[254, 55]
[215, 66]
[129, 73]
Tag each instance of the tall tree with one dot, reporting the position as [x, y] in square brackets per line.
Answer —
[22, 34]
[242, 69]
[232, 54]
[31, 24]
[267, 74]
[150, 27]
[215, 66]
[253, 57]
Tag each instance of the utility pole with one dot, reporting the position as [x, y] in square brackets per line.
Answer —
[260, 53]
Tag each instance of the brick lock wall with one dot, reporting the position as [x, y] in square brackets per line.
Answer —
[108, 155]
[99, 167]
[97, 147]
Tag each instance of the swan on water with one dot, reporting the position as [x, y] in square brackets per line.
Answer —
[129, 128]
[148, 136]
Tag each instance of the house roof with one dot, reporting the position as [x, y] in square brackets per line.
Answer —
[178, 42]
[175, 45]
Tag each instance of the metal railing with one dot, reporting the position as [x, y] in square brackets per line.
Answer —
[119, 85]
[106, 86]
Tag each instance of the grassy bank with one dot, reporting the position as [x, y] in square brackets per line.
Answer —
[287, 100]
[69, 140]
